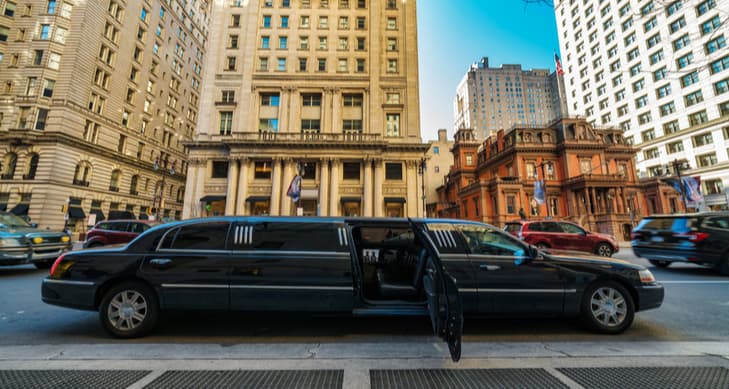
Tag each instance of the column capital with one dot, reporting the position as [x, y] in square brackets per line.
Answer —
[325, 159]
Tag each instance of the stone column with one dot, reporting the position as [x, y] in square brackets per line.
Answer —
[588, 206]
[334, 189]
[367, 198]
[412, 189]
[232, 193]
[379, 199]
[324, 187]
[190, 195]
[326, 103]
[276, 188]
[241, 206]
[289, 170]
[336, 111]
[202, 175]
[594, 201]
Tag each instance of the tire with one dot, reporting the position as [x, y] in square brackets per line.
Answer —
[604, 250]
[723, 266]
[43, 264]
[607, 307]
[663, 264]
[129, 310]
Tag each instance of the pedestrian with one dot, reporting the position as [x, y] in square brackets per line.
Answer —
[522, 214]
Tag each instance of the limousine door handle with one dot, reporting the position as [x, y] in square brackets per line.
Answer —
[160, 262]
[490, 267]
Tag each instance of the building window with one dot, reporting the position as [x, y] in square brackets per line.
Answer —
[351, 170]
[270, 125]
[674, 147]
[352, 125]
[40, 122]
[262, 170]
[698, 118]
[392, 66]
[220, 169]
[352, 100]
[702, 139]
[706, 160]
[393, 171]
[270, 99]
[226, 122]
[393, 125]
[711, 187]
[310, 125]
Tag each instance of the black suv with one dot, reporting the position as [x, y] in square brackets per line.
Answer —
[701, 238]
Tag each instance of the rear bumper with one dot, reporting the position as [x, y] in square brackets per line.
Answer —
[70, 294]
[650, 296]
[675, 255]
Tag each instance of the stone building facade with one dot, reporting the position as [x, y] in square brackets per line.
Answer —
[92, 94]
[328, 89]
[439, 160]
[589, 177]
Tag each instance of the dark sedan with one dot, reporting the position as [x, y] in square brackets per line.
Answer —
[436, 268]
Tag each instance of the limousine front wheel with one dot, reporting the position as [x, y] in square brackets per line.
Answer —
[608, 307]
[129, 310]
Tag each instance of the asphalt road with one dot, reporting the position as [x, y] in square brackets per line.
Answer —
[696, 308]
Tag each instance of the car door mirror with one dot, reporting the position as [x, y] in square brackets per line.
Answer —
[34, 225]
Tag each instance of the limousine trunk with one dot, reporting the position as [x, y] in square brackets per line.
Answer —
[392, 263]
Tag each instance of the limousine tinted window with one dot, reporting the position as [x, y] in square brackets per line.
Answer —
[286, 236]
[202, 236]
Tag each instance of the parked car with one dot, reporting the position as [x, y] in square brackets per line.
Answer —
[21, 242]
[436, 268]
[562, 235]
[115, 232]
[701, 238]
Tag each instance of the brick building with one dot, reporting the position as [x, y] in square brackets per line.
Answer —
[590, 177]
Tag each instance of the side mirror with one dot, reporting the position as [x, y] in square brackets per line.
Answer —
[34, 225]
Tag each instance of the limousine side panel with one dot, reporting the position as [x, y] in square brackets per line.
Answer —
[289, 266]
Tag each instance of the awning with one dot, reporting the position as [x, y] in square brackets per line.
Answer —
[99, 214]
[210, 199]
[350, 199]
[254, 199]
[76, 213]
[116, 215]
[400, 200]
[20, 209]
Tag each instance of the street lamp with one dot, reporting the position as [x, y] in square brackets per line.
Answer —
[677, 167]
[157, 202]
[421, 170]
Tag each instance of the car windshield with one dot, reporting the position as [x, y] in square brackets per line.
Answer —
[10, 220]
[490, 241]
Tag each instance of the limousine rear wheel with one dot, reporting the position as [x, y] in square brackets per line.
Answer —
[608, 307]
[129, 310]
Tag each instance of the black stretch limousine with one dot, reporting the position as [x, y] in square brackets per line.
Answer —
[437, 268]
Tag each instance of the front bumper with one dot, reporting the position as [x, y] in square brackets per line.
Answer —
[14, 256]
[650, 296]
[67, 293]
[47, 252]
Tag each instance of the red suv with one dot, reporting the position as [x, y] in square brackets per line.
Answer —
[115, 232]
[562, 235]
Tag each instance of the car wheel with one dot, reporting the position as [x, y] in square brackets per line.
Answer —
[607, 307]
[43, 264]
[604, 250]
[129, 310]
[663, 264]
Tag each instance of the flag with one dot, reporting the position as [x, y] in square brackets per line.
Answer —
[539, 191]
[558, 64]
[294, 190]
[690, 186]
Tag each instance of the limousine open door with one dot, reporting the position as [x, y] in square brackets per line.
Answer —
[444, 302]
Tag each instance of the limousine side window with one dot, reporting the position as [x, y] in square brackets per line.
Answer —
[200, 236]
[446, 238]
[490, 241]
[280, 236]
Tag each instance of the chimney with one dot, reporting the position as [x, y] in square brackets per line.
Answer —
[442, 135]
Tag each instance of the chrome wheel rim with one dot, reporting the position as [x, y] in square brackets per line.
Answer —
[604, 251]
[127, 310]
[608, 307]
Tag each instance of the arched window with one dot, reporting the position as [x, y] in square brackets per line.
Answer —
[82, 174]
[10, 162]
[32, 166]
[133, 188]
[114, 184]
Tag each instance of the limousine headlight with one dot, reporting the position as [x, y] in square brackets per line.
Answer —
[646, 276]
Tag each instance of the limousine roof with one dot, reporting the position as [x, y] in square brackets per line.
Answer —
[316, 219]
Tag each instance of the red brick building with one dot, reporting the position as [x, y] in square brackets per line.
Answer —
[590, 178]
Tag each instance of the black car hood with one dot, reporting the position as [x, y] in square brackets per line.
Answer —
[579, 256]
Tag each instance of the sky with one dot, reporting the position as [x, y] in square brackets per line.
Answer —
[453, 34]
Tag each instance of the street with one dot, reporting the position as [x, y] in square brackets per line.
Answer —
[681, 344]
[696, 308]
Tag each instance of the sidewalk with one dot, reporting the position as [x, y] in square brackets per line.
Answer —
[371, 365]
